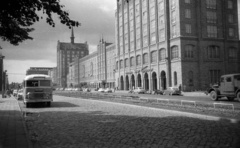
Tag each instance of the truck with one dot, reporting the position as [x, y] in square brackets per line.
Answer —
[229, 86]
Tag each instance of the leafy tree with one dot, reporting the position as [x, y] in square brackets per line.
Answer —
[17, 17]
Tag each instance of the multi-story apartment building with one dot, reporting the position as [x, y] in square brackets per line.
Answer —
[187, 43]
[53, 75]
[66, 52]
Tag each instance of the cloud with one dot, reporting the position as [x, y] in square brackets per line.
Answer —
[16, 69]
[97, 19]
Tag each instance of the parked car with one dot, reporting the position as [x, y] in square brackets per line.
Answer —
[172, 91]
[87, 90]
[139, 90]
[229, 87]
[108, 90]
[15, 92]
[156, 92]
[20, 94]
[96, 89]
[101, 90]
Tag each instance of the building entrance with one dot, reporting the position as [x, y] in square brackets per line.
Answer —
[163, 80]
[139, 84]
[146, 81]
[154, 80]
[127, 83]
[122, 83]
[133, 81]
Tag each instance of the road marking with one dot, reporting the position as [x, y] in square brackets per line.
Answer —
[187, 101]
[223, 104]
[167, 100]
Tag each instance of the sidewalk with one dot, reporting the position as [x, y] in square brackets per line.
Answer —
[12, 129]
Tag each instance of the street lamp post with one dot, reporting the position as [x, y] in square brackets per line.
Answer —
[2, 72]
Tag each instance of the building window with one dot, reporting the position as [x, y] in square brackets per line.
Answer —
[175, 78]
[161, 7]
[230, 18]
[126, 63]
[132, 63]
[188, 52]
[190, 78]
[212, 31]
[138, 60]
[173, 4]
[211, 4]
[162, 35]
[174, 52]
[211, 17]
[188, 28]
[117, 65]
[145, 41]
[162, 54]
[154, 57]
[214, 76]
[188, 13]
[153, 38]
[232, 53]
[121, 64]
[145, 58]
[213, 52]
[173, 17]
[174, 31]
[161, 20]
[231, 32]
[230, 4]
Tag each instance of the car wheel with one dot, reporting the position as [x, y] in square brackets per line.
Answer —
[213, 95]
[238, 96]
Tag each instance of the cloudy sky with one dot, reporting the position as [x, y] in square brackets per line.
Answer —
[96, 17]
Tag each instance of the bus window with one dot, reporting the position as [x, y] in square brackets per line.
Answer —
[45, 83]
[32, 83]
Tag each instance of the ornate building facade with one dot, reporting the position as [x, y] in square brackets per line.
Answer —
[187, 43]
[97, 68]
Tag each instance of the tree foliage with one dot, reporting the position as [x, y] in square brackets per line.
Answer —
[17, 17]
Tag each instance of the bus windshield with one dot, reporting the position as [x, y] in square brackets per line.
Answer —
[38, 83]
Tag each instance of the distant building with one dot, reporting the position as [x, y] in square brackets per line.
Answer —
[97, 68]
[175, 42]
[53, 75]
[66, 52]
[39, 70]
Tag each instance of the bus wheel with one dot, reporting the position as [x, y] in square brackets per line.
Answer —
[48, 104]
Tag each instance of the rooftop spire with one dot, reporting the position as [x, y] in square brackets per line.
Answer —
[72, 36]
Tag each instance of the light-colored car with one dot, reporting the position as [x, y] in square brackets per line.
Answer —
[108, 90]
[15, 92]
[20, 94]
[86, 90]
[101, 90]
[172, 91]
[139, 90]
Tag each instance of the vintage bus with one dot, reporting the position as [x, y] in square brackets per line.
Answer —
[37, 88]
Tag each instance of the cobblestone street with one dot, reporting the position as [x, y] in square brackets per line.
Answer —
[79, 123]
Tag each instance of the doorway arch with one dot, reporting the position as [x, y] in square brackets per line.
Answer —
[127, 82]
[154, 80]
[139, 84]
[122, 83]
[163, 80]
[133, 81]
[146, 81]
